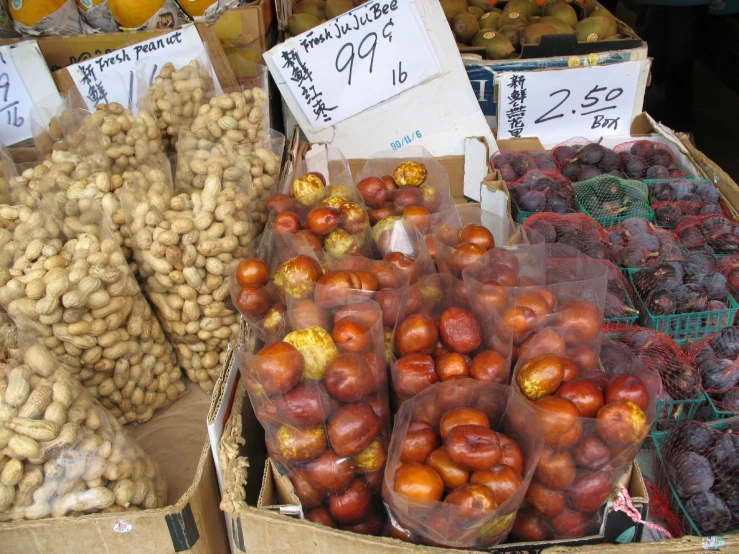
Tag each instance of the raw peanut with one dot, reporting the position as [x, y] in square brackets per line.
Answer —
[21, 447]
[12, 473]
[39, 430]
[18, 387]
[37, 403]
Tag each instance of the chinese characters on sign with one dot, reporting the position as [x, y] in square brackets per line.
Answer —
[303, 78]
[516, 110]
[95, 91]
[358, 60]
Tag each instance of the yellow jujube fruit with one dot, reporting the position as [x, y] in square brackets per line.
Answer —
[86, 5]
[131, 14]
[30, 12]
[195, 8]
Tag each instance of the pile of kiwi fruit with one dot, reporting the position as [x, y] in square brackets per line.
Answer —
[311, 13]
[503, 32]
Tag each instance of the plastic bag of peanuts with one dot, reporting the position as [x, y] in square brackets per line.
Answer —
[186, 246]
[67, 283]
[175, 91]
[62, 453]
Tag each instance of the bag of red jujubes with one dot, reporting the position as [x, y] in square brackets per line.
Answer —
[321, 395]
[473, 476]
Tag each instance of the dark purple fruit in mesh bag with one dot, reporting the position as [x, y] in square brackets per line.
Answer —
[709, 513]
[668, 215]
[523, 162]
[699, 262]
[559, 205]
[708, 193]
[616, 357]
[725, 343]
[594, 250]
[725, 244]
[588, 172]
[532, 201]
[591, 154]
[719, 375]
[730, 401]
[629, 256]
[691, 205]
[532, 178]
[710, 209]
[507, 173]
[564, 153]
[731, 498]
[617, 173]
[725, 455]
[664, 276]
[663, 236]
[705, 353]
[682, 188]
[609, 161]
[633, 167]
[691, 237]
[617, 307]
[691, 474]
[714, 284]
[545, 161]
[694, 436]
[545, 229]
[642, 148]
[505, 158]
[661, 192]
[661, 158]
[669, 252]
[571, 171]
[690, 298]
[657, 172]
[636, 225]
[682, 382]
[661, 302]
[716, 226]
[647, 242]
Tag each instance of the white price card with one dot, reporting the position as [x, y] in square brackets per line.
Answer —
[25, 85]
[112, 77]
[355, 61]
[555, 105]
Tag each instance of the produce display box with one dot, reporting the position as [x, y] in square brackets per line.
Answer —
[661, 475]
[261, 509]
[652, 182]
[176, 439]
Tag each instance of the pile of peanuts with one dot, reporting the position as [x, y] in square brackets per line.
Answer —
[186, 246]
[68, 283]
[61, 453]
[176, 95]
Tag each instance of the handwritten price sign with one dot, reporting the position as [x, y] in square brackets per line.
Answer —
[555, 105]
[356, 61]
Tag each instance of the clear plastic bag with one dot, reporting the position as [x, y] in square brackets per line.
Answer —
[472, 515]
[64, 453]
[550, 296]
[321, 395]
[462, 236]
[593, 424]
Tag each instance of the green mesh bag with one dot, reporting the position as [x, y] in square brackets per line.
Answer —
[609, 200]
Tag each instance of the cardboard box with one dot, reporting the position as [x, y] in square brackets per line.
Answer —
[250, 27]
[176, 439]
[263, 514]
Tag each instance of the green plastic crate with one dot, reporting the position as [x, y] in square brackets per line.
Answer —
[659, 439]
[688, 326]
[718, 414]
[677, 412]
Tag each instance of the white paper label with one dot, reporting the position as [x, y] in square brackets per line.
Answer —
[112, 77]
[590, 102]
[122, 526]
[356, 61]
[15, 102]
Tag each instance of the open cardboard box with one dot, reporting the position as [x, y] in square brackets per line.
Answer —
[176, 439]
[261, 508]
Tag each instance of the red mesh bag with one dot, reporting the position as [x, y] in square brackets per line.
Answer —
[635, 242]
[514, 165]
[660, 353]
[699, 471]
[646, 159]
[543, 191]
[729, 268]
[579, 231]
[581, 160]
[674, 200]
[716, 231]
[620, 296]
[716, 357]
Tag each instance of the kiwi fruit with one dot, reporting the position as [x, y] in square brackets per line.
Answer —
[533, 33]
[465, 27]
[299, 23]
[513, 34]
[527, 8]
[561, 26]
[484, 5]
[497, 46]
[592, 29]
[453, 7]
[334, 8]
[513, 18]
[316, 8]
[489, 21]
[565, 13]
[612, 27]
[476, 12]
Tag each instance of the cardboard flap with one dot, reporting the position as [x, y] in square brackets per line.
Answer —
[530, 144]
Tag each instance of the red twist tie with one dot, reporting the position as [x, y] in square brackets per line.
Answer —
[623, 503]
